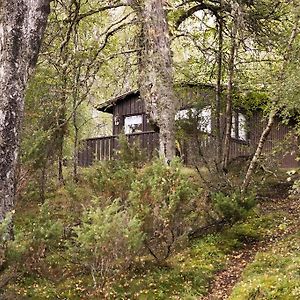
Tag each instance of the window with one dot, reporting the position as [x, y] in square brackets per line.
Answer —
[183, 114]
[203, 117]
[204, 120]
[239, 127]
[133, 124]
[242, 127]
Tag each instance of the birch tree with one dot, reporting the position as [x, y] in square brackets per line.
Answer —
[275, 105]
[22, 24]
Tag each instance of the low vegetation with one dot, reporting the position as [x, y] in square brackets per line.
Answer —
[274, 274]
[131, 240]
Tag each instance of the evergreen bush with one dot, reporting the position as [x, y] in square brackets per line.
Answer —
[107, 241]
[166, 201]
[233, 207]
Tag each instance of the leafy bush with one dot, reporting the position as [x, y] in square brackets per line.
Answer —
[107, 241]
[233, 207]
[166, 202]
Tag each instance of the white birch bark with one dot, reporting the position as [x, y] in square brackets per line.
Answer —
[22, 23]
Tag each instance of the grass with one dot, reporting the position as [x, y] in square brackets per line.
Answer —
[274, 274]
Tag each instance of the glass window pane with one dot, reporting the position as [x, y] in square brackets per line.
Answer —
[242, 127]
[205, 120]
[133, 124]
[233, 126]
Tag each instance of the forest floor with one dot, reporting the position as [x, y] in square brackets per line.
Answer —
[226, 279]
[248, 260]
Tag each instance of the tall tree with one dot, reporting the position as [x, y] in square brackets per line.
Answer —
[218, 102]
[22, 24]
[155, 75]
[275, 105]
[234, 41]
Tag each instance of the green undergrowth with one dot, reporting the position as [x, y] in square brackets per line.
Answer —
[274, 274]
[121, 232]
[189, 272]
[186, 275]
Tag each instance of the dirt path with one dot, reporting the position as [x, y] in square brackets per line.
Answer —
[226, 279]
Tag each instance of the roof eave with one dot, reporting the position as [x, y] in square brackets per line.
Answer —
[107, 106]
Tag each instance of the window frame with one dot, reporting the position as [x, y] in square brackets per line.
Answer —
[133, 115]
[192, 112]
[236, 127]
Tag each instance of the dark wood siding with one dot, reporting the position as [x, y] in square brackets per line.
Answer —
[129, 106]
[282, 143]
[280, 136]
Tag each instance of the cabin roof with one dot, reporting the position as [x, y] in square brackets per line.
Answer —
[107, 106]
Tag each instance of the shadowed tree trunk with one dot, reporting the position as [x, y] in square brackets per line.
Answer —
[236, 13]
[219, 86]
[155, 72]
[22, 23]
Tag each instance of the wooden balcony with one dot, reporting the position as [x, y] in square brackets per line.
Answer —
[105, 148]
[191, 151]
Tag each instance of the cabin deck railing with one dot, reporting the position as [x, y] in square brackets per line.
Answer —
[105, 147]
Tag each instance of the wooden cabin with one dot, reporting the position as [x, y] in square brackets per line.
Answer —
[129, 117]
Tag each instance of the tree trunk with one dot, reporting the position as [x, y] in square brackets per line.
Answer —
[22, 23]
[75, 97]
[61, 122]
[155, 72]
[219, 87]
[61, 141]
[258, 151]
[231, 64]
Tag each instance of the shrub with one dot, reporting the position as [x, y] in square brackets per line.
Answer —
[130, 153]
[47, 228]
[107, 241]
[112, 179]
[233, 207]
[166, 202]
